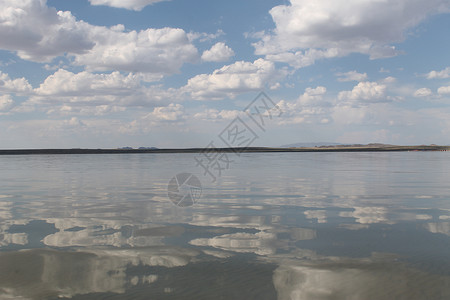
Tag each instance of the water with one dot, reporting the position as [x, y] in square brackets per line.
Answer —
[273, 226]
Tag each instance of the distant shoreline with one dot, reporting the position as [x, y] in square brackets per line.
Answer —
[366, 148]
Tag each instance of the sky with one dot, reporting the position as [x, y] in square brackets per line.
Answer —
[179, 73]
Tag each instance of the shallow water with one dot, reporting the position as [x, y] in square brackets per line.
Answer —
[272, 226]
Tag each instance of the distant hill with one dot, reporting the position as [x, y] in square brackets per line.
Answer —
[140, 148]
[337, 145]
[308, 145]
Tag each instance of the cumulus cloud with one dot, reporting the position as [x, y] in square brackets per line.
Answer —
[160, 51]
[365, 92]
[444, 90]
[171, 113]
[308, 30]
[40, 33]
[445, 73]
[88, 93]
[366, 103]
[98, 110]
[66, 83]
[6, 103]
[312, 97]
[214, 114]
[10, 87]
[423, 92]
[127, 4]
[300, 59]
[218, 52]
[161, 116]
[17, 86]
[310, 107]
[351, 76]
[231, 80]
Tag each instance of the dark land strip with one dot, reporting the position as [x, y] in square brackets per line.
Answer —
[235, 150]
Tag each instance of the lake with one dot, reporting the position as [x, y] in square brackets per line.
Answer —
[364, 225]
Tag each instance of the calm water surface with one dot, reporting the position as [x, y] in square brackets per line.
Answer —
[273, 226]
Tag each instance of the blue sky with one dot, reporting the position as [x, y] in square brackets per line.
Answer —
[113, 73]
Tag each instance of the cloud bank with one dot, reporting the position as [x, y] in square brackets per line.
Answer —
[309, 30]
[39, 33]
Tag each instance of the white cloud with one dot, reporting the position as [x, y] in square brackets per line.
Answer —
[365, 92]
[165, 117]
[17, 86]
[308, 30]
[66, 83]
[423, 92]
[9, 87]
[300, 59]
[445, 73]
[389, 80]
[310, 107]
[160, 51]
[231, 80]
[205, 37]
[171, 113]
[214, 114]
[351, 76]
[386, 116]
[6, 103]
[275, 86]
[98, 110]
[366, 103]
[86, 93]
[313, 97]
[40, 33]
[218, 52]
[128, 4]
[444, 90]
